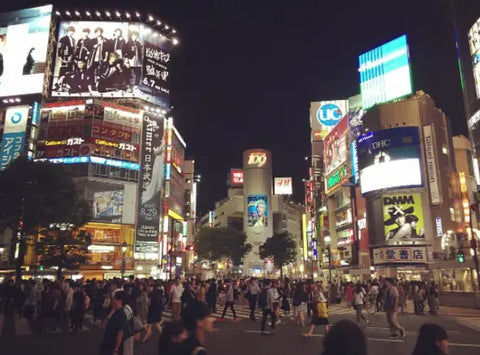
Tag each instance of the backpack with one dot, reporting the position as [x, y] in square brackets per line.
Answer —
[262, 298]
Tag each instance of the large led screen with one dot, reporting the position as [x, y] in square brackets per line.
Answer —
[403, 218]
[474, 41]
[389, 158]
[385, 72]
[257, 209]
[23, 50]
[112, 60]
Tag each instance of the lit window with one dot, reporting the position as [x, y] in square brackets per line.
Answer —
[444, 149]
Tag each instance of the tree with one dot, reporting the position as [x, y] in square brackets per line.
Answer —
[282, 247]
[35, 196]
[63, 247]
[214, 243]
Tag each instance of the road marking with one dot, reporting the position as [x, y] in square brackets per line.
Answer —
[387, 340]
[465, 345]
[411, 331]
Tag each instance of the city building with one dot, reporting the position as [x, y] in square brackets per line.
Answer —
[97, 100]
[252, 205]
[414, 218]
[466, 18]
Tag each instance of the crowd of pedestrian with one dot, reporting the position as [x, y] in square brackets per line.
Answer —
[130, 310]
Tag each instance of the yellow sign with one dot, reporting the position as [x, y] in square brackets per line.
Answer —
[107, 143]
[175, 215]
[257, 158]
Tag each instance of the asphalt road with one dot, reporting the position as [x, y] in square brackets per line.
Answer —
[243, 337]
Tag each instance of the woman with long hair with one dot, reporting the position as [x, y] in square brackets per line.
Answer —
[432, 340]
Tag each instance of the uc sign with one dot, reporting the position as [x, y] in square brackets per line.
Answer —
[329, 114]
[257, 158]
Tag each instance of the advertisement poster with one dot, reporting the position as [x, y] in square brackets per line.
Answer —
[403, 219]
[150, 183]
[108, 206]
[13, 139]
[336, 146]
[385, 72]
[24, 38]
[112, 60]
[474, 42]
[257, 209]
[389, 158]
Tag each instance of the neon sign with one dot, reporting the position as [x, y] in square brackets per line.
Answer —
[257, 158]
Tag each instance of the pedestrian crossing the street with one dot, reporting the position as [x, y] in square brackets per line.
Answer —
[23, 328]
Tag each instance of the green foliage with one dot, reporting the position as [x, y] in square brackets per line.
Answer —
[42, 197]
[214, 244]
[43, 193]
[281, 246]
[64, 247]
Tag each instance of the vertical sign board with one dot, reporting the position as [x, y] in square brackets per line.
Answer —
[150, 183]
[431, 165]
[13, 139]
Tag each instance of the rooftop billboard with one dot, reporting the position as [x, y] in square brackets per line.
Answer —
[112, 60]
[24, 38]
[385, 72]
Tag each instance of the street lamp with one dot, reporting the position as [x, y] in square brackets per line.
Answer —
[124, 250]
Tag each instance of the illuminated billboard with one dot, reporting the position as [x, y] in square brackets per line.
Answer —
[108, 206]
[13, 139]
[385, 72]
[336, 146]
[24, 38]
[474, 41]
[112, 60]
[403, 218]
[150, 184]
[236, 177]
[324, 115]
[389, 158]
[282, 186]
[257, 210]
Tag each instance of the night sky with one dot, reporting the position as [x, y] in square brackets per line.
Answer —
[246, 70]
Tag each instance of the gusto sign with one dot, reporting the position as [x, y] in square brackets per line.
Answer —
[257, 158]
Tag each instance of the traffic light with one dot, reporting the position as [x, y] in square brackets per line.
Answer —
[40, 267]
[461, 257]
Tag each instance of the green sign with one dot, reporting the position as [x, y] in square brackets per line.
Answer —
[337, 177]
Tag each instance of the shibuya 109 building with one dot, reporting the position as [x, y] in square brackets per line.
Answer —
[91, 90]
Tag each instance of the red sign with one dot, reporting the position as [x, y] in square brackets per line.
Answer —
[111, 131]
[236, 177]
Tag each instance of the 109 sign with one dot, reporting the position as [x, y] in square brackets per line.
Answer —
[257, 158]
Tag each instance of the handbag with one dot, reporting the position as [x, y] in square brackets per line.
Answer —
[322, 311]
